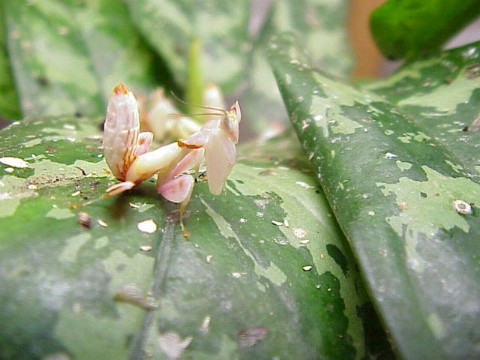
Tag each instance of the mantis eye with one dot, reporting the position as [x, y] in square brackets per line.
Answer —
[231, 122]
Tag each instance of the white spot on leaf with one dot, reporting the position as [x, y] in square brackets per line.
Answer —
[173, 345]
[462, 207]
[14, 162]
[147, 226]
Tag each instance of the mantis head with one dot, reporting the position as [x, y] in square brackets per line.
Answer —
[231, 122]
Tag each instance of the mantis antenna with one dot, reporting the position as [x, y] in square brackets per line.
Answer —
[221, 111]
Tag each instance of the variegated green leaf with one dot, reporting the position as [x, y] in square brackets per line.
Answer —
[265, 273]
[221, 27]
[409, 28]
[66, 56]
[402, 178]
[9, 107]
[321, 24]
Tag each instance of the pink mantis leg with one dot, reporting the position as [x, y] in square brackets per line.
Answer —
[177, 186]
[144, 141]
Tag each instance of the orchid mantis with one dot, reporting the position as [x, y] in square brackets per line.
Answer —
[127, 156]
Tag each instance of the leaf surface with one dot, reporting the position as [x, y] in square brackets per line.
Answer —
[265, 272]
[66, 57]
[393, 161]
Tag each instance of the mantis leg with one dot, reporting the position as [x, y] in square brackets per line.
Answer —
[119, 188]
[144, 141]
[179, 190]
[177, 187]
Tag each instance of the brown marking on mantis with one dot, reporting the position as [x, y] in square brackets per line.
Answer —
[126, 151]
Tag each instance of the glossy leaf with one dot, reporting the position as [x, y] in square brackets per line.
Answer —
[220, 26]
[321, 24]
[9, 107]
[394, 162]
[67, 56]
[409, 28]
[265, 274]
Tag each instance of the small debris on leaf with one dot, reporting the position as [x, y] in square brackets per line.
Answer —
[307, 267]
[209, 259]
[237, 275]
[14, 162]
[304, 185]
[403, 206]
[205, 324]
[84, 219]
[474, 126]
[299, 233]
[250, 336]
[134, 295]
[102, 223]
[267, 172]
[462, 207]
[145, 247]
[278, 223]
[173, 345]
[147, 226]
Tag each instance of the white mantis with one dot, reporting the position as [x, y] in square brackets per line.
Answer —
[127, 156]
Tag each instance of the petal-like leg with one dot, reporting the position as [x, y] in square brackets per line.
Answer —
[220, 155]
[176, 186]
[191, 160]
[119, 188]
[179, 190]
[159, 161]
[144, 141]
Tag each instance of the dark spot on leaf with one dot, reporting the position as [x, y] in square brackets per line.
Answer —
[339, 258]
[240, 181]
[266, 172]
[250, 336]
[83, 171]
[473, 70]
[120, 267]
[79, 114]
[51, 149]
[423, 195]
[43, 81]
[376, 341]
[101, 125]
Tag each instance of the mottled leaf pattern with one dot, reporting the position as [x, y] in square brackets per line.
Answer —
[321, 26]
[392, 161]
[9, 107]
[267, 254]
[67, 56]
[221, 27]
